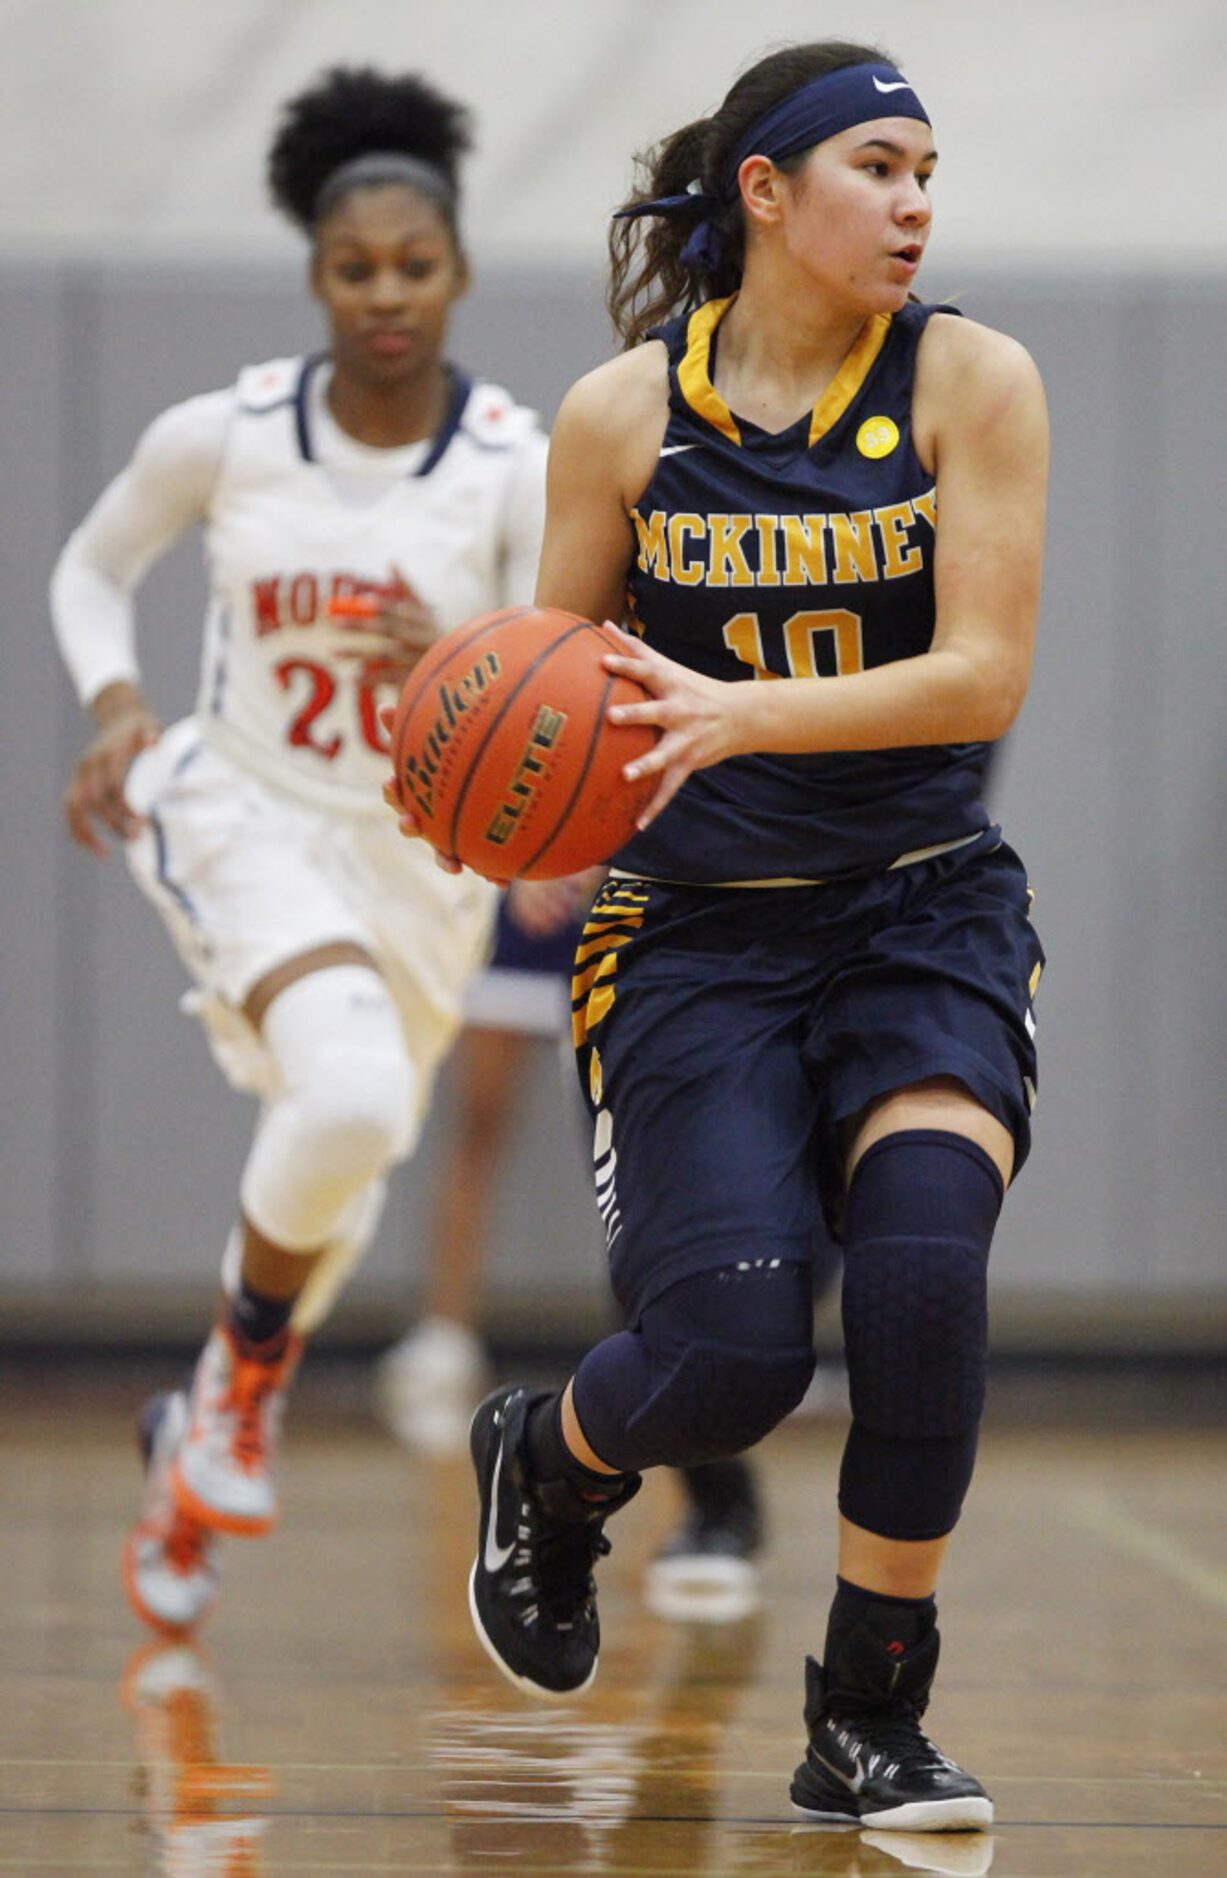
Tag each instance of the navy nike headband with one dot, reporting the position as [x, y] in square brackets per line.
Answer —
[855, 94]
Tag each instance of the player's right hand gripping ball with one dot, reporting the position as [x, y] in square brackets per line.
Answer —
[503, 750]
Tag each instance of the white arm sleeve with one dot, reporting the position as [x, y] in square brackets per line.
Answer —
[524, 522]
[164, 489]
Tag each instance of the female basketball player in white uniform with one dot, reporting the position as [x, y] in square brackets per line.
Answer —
[329, 955]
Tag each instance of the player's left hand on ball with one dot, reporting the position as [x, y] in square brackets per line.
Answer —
[406, 820]
[696, 716]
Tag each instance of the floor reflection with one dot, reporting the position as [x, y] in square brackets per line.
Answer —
[835, 1852]
[506, 1775]
[577, 1788]
[201, 1815]
[570, 1789]
[954, 1854]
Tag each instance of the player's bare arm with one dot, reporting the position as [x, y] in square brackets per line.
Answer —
[605, 442]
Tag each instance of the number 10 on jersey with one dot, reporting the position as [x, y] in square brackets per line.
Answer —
[743, 636]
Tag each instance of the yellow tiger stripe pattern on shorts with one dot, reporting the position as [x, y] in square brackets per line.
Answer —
[616, 916]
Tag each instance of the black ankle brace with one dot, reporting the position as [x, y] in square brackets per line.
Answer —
[897, 1622]
[878, 1648]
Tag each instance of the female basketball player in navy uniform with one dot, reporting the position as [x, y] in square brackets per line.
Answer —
[428, 1384]
[329, 956]
[808, 979]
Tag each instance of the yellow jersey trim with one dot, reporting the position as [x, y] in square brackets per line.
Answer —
[705, 401]
[850, 376]
[692, 376]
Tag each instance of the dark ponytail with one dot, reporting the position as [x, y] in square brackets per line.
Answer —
[648, 281]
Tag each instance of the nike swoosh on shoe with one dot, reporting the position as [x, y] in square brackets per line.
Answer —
[494, 1555]
[854, 1783]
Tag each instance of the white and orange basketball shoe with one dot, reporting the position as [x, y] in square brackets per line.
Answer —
[170, 1562]
[223, 1472]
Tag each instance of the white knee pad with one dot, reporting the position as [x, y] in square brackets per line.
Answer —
[350, 1238]
[348, 1108]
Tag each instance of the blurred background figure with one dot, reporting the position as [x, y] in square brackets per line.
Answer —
[356, 504]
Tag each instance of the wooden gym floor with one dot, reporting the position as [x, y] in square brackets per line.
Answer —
[338, 1716]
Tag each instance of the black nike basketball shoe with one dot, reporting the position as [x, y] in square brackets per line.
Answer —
[868, 1761]
[531, 1592]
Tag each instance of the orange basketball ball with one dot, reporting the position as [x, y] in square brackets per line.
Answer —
[504, 752]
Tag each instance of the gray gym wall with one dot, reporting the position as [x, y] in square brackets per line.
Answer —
[1078, 207]
[121, 1145]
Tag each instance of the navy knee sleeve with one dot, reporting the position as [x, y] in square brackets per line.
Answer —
[714, 1363]
[922, 1206]
[716, 1401]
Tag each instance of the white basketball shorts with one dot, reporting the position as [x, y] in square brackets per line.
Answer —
[246, 877]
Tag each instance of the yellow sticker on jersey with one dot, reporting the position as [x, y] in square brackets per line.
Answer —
[877, 436]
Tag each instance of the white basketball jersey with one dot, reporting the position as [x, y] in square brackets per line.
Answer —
[276, 693]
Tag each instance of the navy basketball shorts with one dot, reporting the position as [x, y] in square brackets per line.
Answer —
[723, 1035]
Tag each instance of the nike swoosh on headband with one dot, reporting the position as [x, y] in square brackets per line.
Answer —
[899, 85]
[496, 1555]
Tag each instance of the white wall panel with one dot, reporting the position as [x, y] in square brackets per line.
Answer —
[1089, 130]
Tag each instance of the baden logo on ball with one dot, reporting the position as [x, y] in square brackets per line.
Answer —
[503, 749]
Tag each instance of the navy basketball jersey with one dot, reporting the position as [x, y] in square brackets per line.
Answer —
[804, 553]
